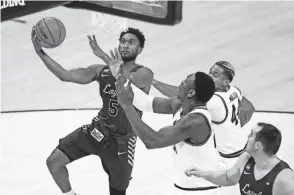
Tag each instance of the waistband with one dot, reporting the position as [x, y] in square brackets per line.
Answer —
[234, 154]
[197, 189]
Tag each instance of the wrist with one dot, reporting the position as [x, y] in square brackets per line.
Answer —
[41, 52]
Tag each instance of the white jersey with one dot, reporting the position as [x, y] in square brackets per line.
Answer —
[224, 110]
[187, 155]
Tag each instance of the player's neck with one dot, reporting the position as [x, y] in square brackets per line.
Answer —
[128, 66]
[264, 162]
[189, 105]
[223, 89]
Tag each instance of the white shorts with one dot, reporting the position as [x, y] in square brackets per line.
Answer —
[177, 191]
[227, 163]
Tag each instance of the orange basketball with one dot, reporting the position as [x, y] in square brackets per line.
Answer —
[50, 32]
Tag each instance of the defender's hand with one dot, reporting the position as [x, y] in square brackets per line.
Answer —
[95, 47]
[125, 94]
[116, 63]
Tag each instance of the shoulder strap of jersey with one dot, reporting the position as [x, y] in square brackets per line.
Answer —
[136, 68]
[276, 170]
[226, 109]
[99, 76]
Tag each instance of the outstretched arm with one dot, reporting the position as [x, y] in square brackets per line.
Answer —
[226, 177]
[78, 75]
[149, 103]
[165, 89]
[166, 136]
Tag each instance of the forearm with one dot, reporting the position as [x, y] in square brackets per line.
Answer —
[144, 132]
[219, 178]
[246, 111]
[165, 89]
[245, 117]
[106, 59]
[53, 66]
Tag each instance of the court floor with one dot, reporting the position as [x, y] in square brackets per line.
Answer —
[257, 37]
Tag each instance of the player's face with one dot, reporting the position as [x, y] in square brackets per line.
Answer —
[187, 88]
[219, 77]
[252, 145]
[129, 47]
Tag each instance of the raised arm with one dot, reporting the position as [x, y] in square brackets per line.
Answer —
[225, 177]
[78, 75]
[166, 89]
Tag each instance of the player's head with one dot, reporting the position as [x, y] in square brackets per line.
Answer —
[264, 138]
[197, 87]
[131, 44]
[222, 73]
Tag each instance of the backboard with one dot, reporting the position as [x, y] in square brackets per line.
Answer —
[158, 12]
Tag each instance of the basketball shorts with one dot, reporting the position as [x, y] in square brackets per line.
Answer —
[177, 191]
[117, 158]
[224, 164]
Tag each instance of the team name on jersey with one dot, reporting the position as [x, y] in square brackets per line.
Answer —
[247, 191]
[233, 96]
[108, 90]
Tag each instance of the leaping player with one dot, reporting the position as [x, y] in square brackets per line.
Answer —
[110, 135]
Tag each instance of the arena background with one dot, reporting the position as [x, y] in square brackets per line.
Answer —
[257, 37]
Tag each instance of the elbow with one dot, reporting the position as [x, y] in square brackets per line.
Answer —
[150, 144]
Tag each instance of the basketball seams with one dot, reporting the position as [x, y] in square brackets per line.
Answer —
[49, 32]
[38, 34]
[59, 30]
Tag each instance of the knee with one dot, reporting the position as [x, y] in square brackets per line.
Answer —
[56, 161]
[51, 163]
[121, 184]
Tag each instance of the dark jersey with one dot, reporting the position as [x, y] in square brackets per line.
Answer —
[249, 185]
[112, 115]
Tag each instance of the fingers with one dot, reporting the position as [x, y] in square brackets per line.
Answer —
[117, 54]
[89, 37]
[94, 38]
[112, 55]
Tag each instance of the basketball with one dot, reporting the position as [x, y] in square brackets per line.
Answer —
[50, 32]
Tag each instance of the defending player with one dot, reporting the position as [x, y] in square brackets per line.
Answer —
[258, 171]
[191, 134]
[110, 135]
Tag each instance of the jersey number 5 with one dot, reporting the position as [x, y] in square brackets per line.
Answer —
[112, 109]
[235, 115]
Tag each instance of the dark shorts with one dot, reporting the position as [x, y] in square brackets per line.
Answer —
[117, 158]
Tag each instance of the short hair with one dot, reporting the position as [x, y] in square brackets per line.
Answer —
[204, 86]
[270, 137]
[135, 32]
[228, 68]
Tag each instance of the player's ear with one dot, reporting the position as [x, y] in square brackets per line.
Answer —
[139, 50]
[191, 93]
[226, 82]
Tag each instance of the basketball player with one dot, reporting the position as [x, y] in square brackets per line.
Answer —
[258, 171]
[191, 135]
[110, 135]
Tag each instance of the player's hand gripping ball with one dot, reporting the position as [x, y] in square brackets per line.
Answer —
[50, 32]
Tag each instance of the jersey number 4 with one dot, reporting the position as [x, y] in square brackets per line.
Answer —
[235, 115]
[112, 109]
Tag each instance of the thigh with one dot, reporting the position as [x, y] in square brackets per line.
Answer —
[78, 144]
[118, 160]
